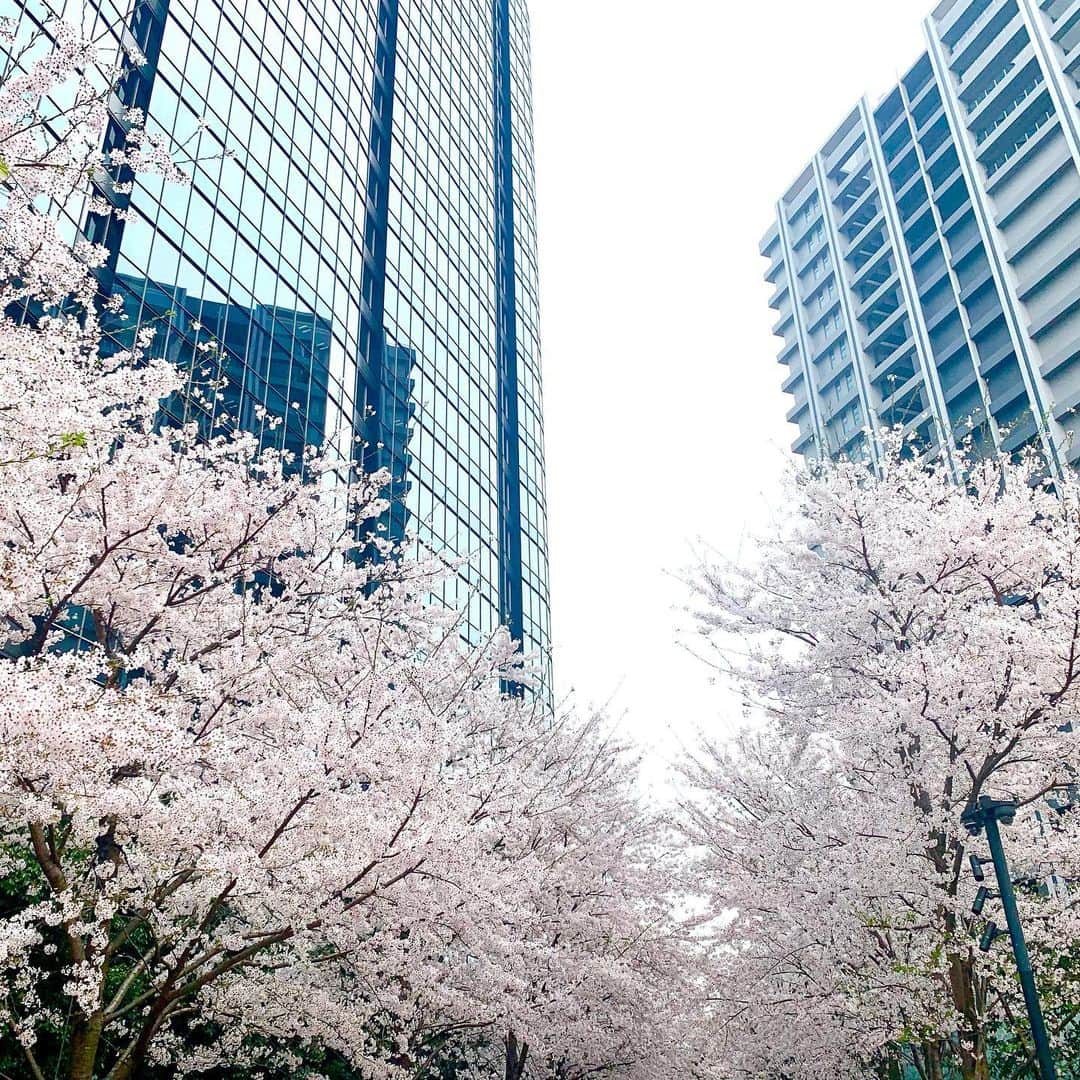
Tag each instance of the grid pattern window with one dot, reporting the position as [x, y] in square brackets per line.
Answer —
[104, 22]
[441, 288]
[261, 251]
[331, 273]
[249, 272]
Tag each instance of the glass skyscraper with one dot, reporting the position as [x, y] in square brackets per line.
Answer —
[357, 248]
[926, 261]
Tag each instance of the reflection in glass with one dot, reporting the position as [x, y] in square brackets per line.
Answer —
[263, 369]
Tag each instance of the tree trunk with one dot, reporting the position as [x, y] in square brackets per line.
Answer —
[973, 1061]
[515, 1058]
[85, 1040]
[932, 1061]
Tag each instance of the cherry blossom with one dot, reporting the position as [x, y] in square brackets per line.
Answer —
[263, 793]
[905, 644]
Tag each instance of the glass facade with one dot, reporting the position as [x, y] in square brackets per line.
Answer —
[441, 288]
[532, 512]
[355, 258]
[926, 262]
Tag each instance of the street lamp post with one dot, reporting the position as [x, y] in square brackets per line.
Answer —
[987, 814]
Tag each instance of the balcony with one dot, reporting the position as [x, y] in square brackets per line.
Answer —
[803, 442]
[974, 39]
[796, 411]
[1057, 9]
[802, 233]
[868, 271]
[1072, 61]
[860, 220]
[895, 368]
[972, 104]
[1016, 139]
[889, 282]
[866, 232]
[1066, 22]
[1004, 49]
[810, 251]
[770, 240]
[891, 333]
[955, 14]
[936, 114]
[793, 377]
[778, 296]
[776, 266]
[867, 247]
[851, 189]
[904, 404]
[880, 311]
[1003, 112]
[778, 326]
[893, 129]
[789, 352]
[853, 211]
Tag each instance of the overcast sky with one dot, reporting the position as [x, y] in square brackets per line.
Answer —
[665, 131]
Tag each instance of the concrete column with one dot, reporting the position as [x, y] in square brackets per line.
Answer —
[1051, 433]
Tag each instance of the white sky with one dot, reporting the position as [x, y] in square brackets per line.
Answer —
[665, 131]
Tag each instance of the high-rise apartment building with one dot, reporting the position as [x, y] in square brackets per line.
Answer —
[358, 247]
[926, 262]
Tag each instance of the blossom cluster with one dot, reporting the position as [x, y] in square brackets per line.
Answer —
[258, 786]
[907, 644]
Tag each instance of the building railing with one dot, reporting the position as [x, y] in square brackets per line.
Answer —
[994, 164]
[1015, 102]
[987, 90]
[968, 36]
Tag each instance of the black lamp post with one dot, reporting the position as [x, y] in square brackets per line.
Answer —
[986, 815]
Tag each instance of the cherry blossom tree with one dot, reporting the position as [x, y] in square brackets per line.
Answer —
[255, 792]
[905, 644]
